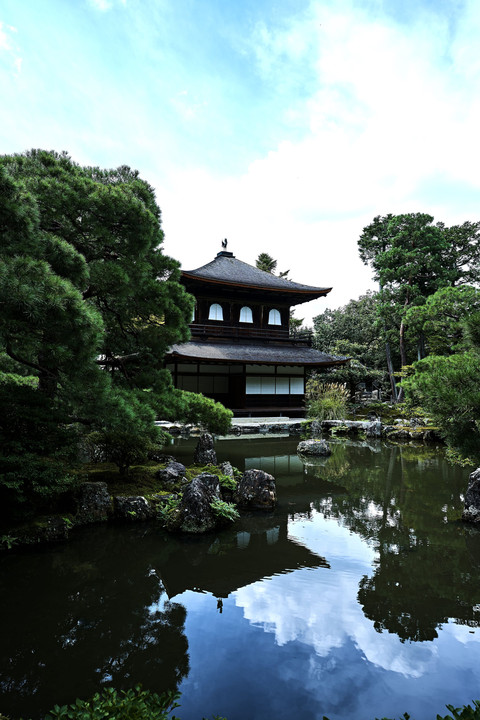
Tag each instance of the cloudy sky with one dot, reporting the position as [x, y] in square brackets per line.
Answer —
[282, 125]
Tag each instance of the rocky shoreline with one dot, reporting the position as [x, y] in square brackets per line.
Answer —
[206, 502]
[213, 497]
[400, 430]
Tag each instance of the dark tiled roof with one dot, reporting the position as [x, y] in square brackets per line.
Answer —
[227, 269]
[265, 354]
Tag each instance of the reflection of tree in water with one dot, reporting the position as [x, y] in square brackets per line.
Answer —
[329, 469]
[404, 503]
[101, 616]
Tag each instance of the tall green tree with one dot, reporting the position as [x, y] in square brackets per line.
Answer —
[448, 387]
[464, 251]
[444, 319]
[411, 258]
[266, 263]
[89, 306]
[447, 382]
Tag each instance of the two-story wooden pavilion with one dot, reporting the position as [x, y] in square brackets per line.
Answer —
[241, 352]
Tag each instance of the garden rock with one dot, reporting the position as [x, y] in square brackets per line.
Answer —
[174, 472]
[399, 434]
[92, 503]
[50, 529]
[374, 429]
[205, 452]
[314, 447]
[256, 490]
[132, 508]
[471, 511]
[195, 514]
[227, 469]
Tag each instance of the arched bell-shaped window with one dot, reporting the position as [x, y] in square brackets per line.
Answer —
[274, 317]
[246, 315]
[215, 312]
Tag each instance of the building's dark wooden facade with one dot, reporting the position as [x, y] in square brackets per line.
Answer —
[240, 352]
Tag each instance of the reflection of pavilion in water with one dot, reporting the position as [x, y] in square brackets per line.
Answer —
[259, 545]
[286, 468]
[220, 564]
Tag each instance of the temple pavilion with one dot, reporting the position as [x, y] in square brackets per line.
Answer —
[241, 351]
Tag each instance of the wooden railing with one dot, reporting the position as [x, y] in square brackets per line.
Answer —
[234, 331]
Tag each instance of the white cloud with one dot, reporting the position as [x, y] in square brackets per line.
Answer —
[5, 39]
[392, 109]
[320, 609]
[9, 47]
[186, 107]
[351, 114]
[105, 5]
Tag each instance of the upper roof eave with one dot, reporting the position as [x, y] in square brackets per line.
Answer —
[225, 269]
[295, 290]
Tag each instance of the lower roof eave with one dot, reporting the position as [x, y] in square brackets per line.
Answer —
[216, 361]
[252, 355]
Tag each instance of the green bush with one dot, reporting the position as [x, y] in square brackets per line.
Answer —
[123, 448]
[326, 401]
[133, 704]
[449, 389]
[204, 411]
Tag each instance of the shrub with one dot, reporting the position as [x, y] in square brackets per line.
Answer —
[326, 401]
[122, 448]
[204, 411]
[133, 704]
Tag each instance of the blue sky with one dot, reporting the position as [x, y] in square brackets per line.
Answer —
[283, 125]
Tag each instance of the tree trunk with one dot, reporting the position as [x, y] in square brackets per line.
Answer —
[393, 384]
[403, 353]
[421, 352]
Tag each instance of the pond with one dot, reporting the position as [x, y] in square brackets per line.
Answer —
[359, 597]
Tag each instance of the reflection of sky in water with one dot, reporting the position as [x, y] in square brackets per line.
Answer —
[298, 644]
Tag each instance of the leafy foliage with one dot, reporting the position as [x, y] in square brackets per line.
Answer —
[133, 704]
[227, 482]
[354, 331]
[169, 509]
[412, 259]
[448, 386]
[225, 510]
[443, 319]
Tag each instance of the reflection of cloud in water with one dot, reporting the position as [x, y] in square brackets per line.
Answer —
[319, 608]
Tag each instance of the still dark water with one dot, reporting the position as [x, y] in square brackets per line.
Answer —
[358, 598]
